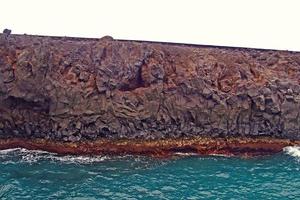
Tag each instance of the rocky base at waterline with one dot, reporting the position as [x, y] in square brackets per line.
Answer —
[77, 89]
[245, 147]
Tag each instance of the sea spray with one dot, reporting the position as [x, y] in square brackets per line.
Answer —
[293, 151]
[32, 156]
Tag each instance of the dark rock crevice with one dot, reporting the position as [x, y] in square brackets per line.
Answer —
[135, 83]
[22, 104]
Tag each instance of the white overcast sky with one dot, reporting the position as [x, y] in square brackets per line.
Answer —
[245, 23]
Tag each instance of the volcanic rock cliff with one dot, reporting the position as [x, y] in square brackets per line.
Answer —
[71, 89]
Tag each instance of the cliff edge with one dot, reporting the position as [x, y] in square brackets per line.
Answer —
[75, 89]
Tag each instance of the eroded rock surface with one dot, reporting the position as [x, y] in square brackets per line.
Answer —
[72, 89]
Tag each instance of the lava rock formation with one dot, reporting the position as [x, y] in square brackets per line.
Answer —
[73, 89]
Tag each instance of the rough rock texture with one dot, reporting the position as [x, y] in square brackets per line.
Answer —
[244, 147]
[71, 89]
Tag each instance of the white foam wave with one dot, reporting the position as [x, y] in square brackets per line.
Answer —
[31, 156]
[292, 151]
[7, 151]
[185, 154]
[220, 155]
[79, 159]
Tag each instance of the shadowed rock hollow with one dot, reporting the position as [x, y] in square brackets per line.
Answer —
[71, 89]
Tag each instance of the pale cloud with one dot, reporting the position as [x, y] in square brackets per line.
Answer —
[254, 23]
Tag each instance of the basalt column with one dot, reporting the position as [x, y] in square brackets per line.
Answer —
[72, 89]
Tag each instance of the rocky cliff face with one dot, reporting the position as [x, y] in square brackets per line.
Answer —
[72, 89]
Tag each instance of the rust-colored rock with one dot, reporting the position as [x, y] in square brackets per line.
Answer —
[75, 89]
[244, 147]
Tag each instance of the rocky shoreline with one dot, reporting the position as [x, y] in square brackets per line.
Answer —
[243, 147]
[70, 90]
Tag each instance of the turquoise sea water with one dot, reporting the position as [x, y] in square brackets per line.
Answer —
[40, 175]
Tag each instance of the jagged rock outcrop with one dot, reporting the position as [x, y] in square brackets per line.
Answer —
[72, 89]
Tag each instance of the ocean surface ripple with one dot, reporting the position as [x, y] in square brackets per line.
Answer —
[41, 175]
